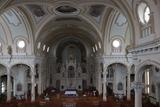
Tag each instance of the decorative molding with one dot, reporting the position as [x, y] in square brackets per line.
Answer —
[137, 86]
[121, 23]
[148, 48]
[3, 3]
[13, 15]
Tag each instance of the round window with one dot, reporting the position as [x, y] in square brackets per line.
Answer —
[116, 43]
[21, 44]
[144, 13]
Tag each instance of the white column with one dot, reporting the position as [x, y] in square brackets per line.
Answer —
[104, 87]
[33, 85]
[128, 85]
[138, 86]
[0, 85]
[99, 83]
[8, 85]
[40, 81]
[40, 85]
[157, 92]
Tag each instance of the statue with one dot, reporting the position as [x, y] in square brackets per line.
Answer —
[10, 52]
[71, 57]
[62, 69]
[79, 70]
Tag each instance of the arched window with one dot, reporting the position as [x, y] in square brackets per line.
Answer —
[21, 46]
[3, 88]
[146, 80]
[144, 13]
[99, 44]
[145, 18]
[48, 49]
[96, 47]
[44, 47]
[116, 43]
[93, 49]
[116, 46]
[39, 45]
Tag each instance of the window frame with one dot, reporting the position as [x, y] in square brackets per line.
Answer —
[142, 18]
[17, 44]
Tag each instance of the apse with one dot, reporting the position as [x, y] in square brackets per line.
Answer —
[71, 49]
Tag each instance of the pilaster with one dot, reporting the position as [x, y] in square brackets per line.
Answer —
[33, 84]
[8, 85]
[128, 83]
[104, 87]
[138, 86]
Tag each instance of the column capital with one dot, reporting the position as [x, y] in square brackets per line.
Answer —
[104, 73]
[33, 70]
[129, 69]
[138, 85]
[128, 73]
[129, 65]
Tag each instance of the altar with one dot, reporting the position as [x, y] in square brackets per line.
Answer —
[71, 72]
[71, 92]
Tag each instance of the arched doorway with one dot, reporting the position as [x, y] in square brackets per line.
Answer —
[149, 75]
[3, 83]
[71, 65]
[116, 79]
[22, 81]
[3, 79]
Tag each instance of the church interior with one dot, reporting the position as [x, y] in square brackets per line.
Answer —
[79, 53]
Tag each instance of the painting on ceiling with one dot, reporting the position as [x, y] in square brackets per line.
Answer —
[96, 10]
[37, 10]
[66, 9]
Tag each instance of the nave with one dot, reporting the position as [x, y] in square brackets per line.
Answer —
[72, 46]
[88, 98]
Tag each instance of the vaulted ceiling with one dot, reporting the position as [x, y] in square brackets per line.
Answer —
[47, 21]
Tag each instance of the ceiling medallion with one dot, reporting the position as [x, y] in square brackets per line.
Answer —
[66, 9]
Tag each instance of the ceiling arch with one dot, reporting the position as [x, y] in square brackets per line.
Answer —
[90, 25]
[14, 25]
[68, 25]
